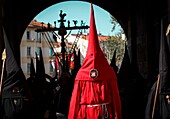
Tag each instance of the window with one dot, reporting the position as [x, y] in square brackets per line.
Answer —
[51, 68]
[28, 51]
[28, 35]
[38, 50]
[50, 52]
[28, 67]
[38, 36]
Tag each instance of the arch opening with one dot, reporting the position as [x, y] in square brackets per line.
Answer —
[112, 40]
[111, 35]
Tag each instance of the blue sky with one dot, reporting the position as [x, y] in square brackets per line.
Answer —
[78, 10]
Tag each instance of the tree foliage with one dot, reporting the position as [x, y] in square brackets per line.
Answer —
[115, 43]
[116, 25]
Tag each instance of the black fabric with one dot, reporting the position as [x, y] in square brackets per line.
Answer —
[162, 108]
[31, 79]
[164, 72]
[150, 100]
[77, 63]
[67, 64]
[32, 86]
[131, 88]
[113, 62]
[39, 91]
[15, 92]
[64, 94]
[164, 64]
[43, 91]
[32, 68]
[42, 68]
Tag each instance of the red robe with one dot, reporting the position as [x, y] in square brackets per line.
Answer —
[95, 94]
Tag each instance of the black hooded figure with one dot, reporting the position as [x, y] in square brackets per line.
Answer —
[15, 92]
[131, 87]
[158, 104]
[31, 79]
[43, 90]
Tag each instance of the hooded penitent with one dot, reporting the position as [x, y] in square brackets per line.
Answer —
[15, 92]
[95, 94]
[158, 105]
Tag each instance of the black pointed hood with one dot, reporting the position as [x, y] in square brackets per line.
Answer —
[15, 77]
[32, 68]
[125, 68]
[11, 65]
[42, 67]
[164, 64]
[113, 62]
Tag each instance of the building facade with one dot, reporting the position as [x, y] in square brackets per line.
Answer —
[31, 44]
[32, 41]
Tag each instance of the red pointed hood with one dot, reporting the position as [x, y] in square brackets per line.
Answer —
[95, 65]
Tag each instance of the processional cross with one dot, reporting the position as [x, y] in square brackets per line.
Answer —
[62, 31]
